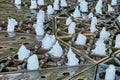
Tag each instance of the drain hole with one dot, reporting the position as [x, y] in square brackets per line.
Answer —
[6, 35]
[80, 79]
[31, 49]
[43, 77]
[23, 38]
[26, 43]
[4, 70]
[28, 16]
[1, 47]
[102, 75]
[66, 73]
[11, 48]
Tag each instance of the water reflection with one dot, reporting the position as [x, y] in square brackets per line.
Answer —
[39, 38]
[11, 76]
[84, 16]
[34, 75]
[49, 17]
[18, 6]
[11, 34]
[33, 11]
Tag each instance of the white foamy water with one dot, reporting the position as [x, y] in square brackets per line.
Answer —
[110, 73]
[81, 40]
[100, 48]
[110, 9]
[23, 53]
[56, 50]
[72, 59]
[33, 63]
[63, 3]
[84, 6]
[18, 1]
[40, 2]
[68, 21]
[104, 34]
[98, 7]
[117, 41]
[71, 28]
[56, 5]
[76, 13]
[48, 41]
[50, 9]
[33, 4]
[11, 25]
[114, 2]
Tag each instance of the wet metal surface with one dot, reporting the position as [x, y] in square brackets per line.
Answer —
[13, 69]
[8, 9]
[11, 42]
[85, 72]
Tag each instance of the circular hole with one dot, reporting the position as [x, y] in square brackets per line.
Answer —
[28, 16]
[66, 73]
[31, 49]
[118, 72]
[32, 13]
[23, 38]
[102, 75]
[26, 43]
[80, 79]
[43, 77]
[11, 48]
[1, 47]
[6, 35]
[4, 70]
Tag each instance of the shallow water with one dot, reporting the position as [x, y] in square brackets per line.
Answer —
[10, 45]
[10, 42]
[9, 9]
[60, 73]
